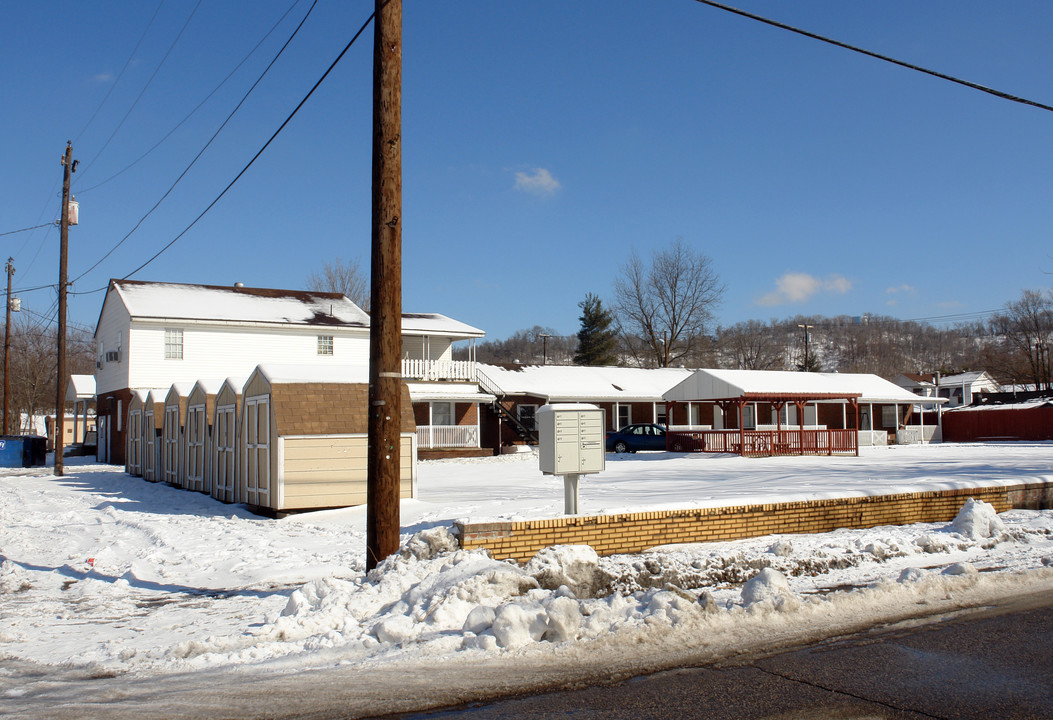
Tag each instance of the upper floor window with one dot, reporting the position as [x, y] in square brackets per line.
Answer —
[325, 344]
[173, 343]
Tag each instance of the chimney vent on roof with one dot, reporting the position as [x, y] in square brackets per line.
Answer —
[239, 285]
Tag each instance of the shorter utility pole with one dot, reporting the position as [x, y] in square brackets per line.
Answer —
[60, 385]
[807, 365]
[7, 348]
[544, 347]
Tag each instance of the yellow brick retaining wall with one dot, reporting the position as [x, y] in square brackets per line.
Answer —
[635, 532]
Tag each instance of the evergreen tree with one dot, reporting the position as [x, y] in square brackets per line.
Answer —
[596, 338]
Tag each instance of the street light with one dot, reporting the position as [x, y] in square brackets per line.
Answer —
[544, 347]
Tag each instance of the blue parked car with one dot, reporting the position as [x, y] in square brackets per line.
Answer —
[641, 436]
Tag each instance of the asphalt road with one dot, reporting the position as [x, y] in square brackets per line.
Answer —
[982, 663]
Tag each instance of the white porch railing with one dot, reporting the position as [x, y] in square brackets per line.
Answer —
[447, 436]
[438, 370]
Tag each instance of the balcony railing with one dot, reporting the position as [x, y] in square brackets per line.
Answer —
[463, 370]
[447, 436]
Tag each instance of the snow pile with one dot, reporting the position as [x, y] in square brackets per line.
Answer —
[106, 571]
[978, 520]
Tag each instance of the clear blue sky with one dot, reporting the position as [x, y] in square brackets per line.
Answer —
[543, 142]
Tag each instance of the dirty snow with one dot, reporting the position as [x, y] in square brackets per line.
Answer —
[109, 572]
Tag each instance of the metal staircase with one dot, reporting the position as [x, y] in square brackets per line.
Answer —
[524, 433]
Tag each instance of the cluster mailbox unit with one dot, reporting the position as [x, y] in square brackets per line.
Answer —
[571, 443]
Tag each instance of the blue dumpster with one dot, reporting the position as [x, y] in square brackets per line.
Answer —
[18, 451]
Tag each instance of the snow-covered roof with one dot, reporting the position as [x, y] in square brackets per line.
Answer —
[727, 384]
[1022, 405]
[80, 387]
[176, 301]
[585, 383]
[277, 373]
[966, 378]
[233, 304]
[179, 389]
[453, 392]
[209, 387]
[436, 324]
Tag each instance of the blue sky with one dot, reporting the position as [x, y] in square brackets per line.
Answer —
[543, 143]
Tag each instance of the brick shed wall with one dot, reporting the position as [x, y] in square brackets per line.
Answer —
[636, 532]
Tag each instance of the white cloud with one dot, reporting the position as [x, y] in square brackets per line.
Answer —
[900, 289]
[798, 287]
[540, 182]
[102, 77]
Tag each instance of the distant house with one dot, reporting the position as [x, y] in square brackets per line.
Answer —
[628, 395]
[921, 384]
[964, 388]
[153, 334]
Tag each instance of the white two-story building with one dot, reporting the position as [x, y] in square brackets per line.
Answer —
[153, 334]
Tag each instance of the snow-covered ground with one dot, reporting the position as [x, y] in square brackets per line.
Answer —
[106, 571]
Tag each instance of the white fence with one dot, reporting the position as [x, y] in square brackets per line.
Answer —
[438, 370]
[447, 436]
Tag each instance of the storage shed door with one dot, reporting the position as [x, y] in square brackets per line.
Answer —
[223, 470]
[149, 446]
[257, 450]
[195, 447]
[171, 444]
[135, 442]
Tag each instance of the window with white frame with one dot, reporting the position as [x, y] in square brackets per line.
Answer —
[442, 413]
[173, 343]
[325, 344]
[625, 416]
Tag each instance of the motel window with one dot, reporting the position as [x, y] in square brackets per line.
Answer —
[660, 414]
[625, 416]
[325, 344]
[442, 413]
[526, 416]
[173, 343]
[888, 416]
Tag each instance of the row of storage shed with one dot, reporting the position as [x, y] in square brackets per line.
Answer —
[288, 438]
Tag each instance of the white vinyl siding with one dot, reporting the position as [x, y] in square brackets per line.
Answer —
[213, 352]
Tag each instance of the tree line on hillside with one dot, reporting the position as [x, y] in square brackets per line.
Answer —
[662, 315]
[31, 356]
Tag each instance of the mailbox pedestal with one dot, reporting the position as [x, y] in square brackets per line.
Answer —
[571, 440]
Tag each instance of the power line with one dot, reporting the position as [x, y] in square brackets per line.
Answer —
[260, 152]
[196, 108]
[142, 92]
[121, 73]
[886, 58]
[12, 232]
[202, 151]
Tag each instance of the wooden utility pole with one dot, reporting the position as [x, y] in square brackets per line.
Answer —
[7, 348]
[60, 386]
[385, 325]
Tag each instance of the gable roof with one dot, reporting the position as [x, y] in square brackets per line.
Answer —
[177, 301]
[583, 382]
[967, 378]
[233, 304]
[706, 385]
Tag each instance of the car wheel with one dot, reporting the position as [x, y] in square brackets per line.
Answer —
[620, 447]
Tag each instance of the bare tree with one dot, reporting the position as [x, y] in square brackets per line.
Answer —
[1025, 334]
[752, 345]
[344, 277]
[664, 308]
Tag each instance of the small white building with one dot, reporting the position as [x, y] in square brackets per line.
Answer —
[152, 334]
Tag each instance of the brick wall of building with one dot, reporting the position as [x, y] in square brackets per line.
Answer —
[636, 532]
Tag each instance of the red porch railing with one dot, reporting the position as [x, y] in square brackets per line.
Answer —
[764, 443]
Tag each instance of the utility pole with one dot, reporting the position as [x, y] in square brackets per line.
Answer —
[385, 324]
[7, 347]
[60, 388]
[807, 366]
